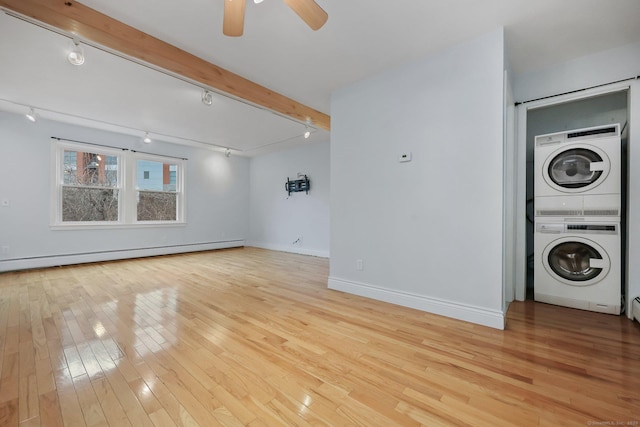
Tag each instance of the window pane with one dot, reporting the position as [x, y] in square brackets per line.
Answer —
[89, 204]
[157, 206]
[90, 169]
[155, 176]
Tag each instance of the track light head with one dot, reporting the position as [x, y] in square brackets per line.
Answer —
[146, 139]
[31, 115]
[207, 98]
[307, 128]
[227, 153]
[258, 1]
[76, 54]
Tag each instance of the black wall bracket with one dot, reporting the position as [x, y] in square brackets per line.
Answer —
[297, 185]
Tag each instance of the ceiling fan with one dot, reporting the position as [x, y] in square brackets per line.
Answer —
[308, 10]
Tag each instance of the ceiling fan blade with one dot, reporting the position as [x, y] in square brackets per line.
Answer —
[309, 11]
[233, 24]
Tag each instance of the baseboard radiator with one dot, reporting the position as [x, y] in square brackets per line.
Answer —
[110, 255]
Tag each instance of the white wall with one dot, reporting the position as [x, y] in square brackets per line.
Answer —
[429, 232]
[277, 219]
[217, 200]
[580, 73]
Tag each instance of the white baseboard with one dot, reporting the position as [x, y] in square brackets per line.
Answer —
[291, 249]
[67, 259]
[481, 316]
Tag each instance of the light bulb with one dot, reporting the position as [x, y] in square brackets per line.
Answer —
[31, 115]
[76, 55]
[207, 98]
[147, 139]
[307, 134]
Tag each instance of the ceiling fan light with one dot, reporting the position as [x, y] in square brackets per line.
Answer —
[76, 54]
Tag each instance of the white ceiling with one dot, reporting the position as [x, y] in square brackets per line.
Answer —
[278, 51]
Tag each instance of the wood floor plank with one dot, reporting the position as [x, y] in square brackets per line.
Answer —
[111, 407]
[10, 377]
[251, 337]
[135, 412]
[9, 413]
[70, 409]
[50, 411]
[161, 418]
[91, 408]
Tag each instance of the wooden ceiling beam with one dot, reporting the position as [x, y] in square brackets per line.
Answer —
[88, 24]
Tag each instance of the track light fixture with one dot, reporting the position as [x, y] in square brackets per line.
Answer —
[307, 128]
[207, 98]
[146, 139]
[227, 153]
[31, 115]
[76, 54]
[257, 1]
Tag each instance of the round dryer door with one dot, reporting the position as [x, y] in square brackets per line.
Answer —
[576, 169]
[576, 261]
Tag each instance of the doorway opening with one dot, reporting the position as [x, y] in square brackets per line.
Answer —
[596, 110]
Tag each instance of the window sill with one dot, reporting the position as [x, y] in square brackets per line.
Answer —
[104, 226]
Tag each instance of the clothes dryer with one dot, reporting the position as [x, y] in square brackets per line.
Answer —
[578, 173]
[578, 264]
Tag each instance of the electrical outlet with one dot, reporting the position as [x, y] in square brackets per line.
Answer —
[359, 265]
[404, 157]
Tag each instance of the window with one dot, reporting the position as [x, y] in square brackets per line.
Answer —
[157, 196]
[89, 190]
[97, 186]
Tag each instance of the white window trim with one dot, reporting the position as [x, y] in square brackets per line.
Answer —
[127, 191]
[180, 187]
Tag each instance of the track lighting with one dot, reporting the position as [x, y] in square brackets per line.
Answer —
[207, 98]
[227, 153]
[76, 55]
[146, 139]
[307, 128]
[257, 1]
[31, 115]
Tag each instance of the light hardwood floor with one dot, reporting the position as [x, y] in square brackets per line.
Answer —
[253, 337]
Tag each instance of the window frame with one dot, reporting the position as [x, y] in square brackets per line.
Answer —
[126, 187]
[179, 191]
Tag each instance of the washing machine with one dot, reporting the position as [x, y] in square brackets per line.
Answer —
[578, 264]
[578, 173]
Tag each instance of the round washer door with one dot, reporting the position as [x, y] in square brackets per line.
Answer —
[576, 168]
[576, 261]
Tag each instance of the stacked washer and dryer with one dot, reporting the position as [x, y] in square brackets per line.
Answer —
[578, 205]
